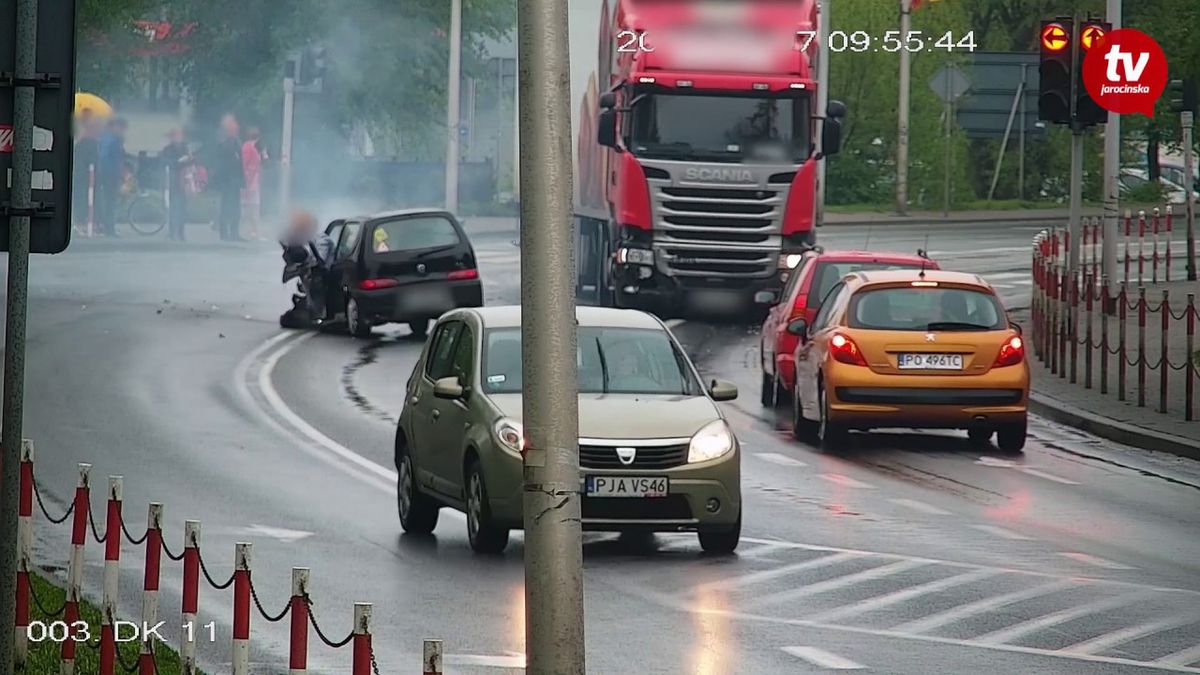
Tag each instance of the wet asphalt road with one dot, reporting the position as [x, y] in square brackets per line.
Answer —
[908, 553]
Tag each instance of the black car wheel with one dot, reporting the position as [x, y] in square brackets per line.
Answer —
[482, 532]
[767, 395]
[418, 513]
[831, 434]
[358, 325]
[419, 328]
[722, 541]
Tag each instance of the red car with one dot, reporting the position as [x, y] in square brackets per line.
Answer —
[814, 274]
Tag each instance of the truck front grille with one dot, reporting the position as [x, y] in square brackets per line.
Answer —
[718, 232]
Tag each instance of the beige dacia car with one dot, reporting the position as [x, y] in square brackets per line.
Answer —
[655, 452]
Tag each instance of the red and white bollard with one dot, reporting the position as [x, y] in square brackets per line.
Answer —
[150, 586]
[1141, 247]
[1128, 231]
[362, 639]
[79, 526]
[190, 605]
[24, 554]
[298, 650]
[112, 572]
[1167, 231]
[431, 658]
[1155, 225]
[241, 610]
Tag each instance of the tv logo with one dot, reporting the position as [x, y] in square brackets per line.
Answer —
[1125, 71]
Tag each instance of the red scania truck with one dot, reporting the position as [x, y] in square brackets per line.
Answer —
[695, 160]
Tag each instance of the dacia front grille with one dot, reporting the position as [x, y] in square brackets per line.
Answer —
[645, 457]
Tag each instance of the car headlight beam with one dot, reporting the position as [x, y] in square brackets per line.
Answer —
[713, 441]
[510, 435]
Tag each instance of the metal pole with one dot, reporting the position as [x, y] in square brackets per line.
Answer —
[903, 110]
[1112, 164]
[14, 327]
[1189, 168]
[1074, 227]
[949, 150]
[453, 86]
[1012, 115]
[554, 635]
[285, 146]
[823, 19]
[1021, 164]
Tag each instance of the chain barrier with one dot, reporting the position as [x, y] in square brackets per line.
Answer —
[95, 530]
[258, 603]
[125, 666]
[312, 619]
[37, 492]
[37, 602]
[129, 537]
[211, 581]
[167, 550]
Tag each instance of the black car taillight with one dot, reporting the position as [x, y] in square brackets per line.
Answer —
[376, 284]
[460, 275]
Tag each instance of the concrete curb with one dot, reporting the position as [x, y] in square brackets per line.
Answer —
[1113, 430]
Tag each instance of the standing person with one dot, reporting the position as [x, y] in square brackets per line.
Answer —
[228, 179]
[177, 158]
[252, 159]
[87, 156]
[110, 172]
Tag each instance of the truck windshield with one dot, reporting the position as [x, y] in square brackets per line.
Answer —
[720, 128]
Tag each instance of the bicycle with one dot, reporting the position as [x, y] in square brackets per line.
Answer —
[147, 212]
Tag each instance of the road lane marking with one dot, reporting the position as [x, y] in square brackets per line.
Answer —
[846, 481]
[920, 506]
[1018, 630]
[515, 662]
[1048, 476]
[823, 659]
[1181, 658]
[280, 533]
[837, 582]
[1010, 464]
[1001, 532]
[1008, 275]
[1093, 560]
[762, 551]
[896, 597]
[776, 572]
[779, 458]
[1109, 640]
[934, 621]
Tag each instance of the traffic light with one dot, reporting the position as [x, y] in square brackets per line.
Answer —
[312, 67]
[1087, 111]
[1056, 71]
[1183, 95]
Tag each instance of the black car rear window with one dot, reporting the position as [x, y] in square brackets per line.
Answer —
[413, 234]
[829, 273]
[926, 308]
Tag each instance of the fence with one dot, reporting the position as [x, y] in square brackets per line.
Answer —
[72, 635]
[1080, 323]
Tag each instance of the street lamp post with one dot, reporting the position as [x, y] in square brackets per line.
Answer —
[453, 88]
[903, 111]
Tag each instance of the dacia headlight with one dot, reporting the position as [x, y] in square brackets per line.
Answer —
[510, 435]
[713, 441]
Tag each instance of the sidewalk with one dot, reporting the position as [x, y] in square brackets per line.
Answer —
[982, 217]
[1105, 415]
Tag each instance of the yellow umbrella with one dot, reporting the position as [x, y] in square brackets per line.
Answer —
[91, 102]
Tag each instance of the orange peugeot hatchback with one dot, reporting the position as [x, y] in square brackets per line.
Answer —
[922, 349]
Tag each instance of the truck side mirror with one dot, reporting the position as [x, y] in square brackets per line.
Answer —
[606, 131]
[835, 109]
[831, 136]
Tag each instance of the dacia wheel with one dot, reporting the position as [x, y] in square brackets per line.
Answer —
[482, 532]
[1011, 437]
[722, 541]
[831, 434]
[358, 325]
[419, 328]
[418, 513]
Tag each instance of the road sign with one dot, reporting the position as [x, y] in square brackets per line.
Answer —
[996, 77]
[949, 83]
[50, 230]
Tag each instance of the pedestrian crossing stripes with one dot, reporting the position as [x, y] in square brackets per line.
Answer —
[941, 601]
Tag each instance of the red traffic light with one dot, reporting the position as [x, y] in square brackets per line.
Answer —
[1055, 37]
[1090, 35]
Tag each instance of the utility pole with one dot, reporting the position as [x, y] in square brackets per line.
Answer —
[553, 538]
[1074, 228]
[21, 198]
[1021, 145]
[1112, 167]
[285, 145]
[453, 87]
[903, 111]
[823, 18]
[1188, 118]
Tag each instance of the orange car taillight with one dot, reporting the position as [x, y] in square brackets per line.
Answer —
[845, 351]
[1012, 353]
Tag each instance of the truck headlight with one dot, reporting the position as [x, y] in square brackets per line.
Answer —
[635, 256]
[792, 260]
[510, 435]
[713, 441]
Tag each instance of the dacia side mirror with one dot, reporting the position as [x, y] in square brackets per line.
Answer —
[720, 390]
[766, 298]
[448, 388]
[798, 327]
[606, 132]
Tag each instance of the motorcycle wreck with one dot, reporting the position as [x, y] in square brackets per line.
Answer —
[303, 263]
